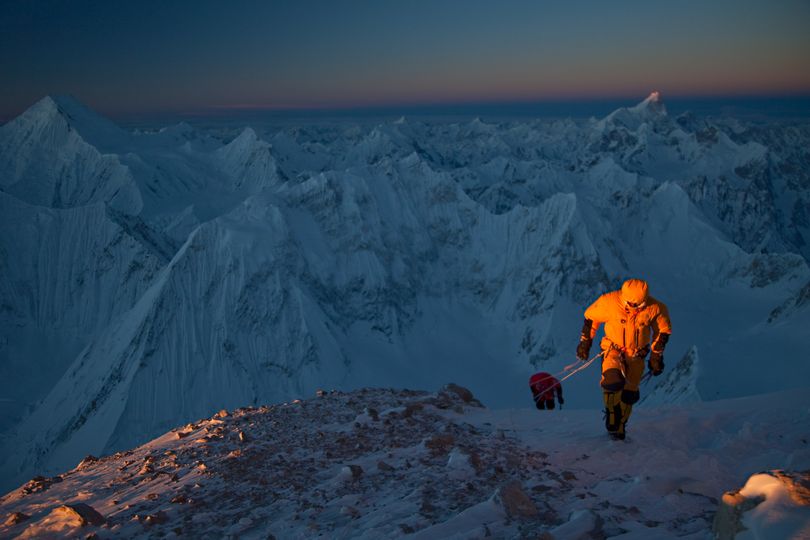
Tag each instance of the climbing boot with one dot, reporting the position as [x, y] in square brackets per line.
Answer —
[618, 407]
[613, 411]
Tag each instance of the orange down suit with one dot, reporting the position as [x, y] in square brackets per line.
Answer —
[628, 331]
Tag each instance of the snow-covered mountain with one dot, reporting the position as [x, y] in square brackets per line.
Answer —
[46, 159]
[151, 278]
[381, 463]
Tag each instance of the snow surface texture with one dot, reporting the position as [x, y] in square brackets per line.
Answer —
[149, 278]
[378, 463]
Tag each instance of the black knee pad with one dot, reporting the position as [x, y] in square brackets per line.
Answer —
[630, 397]
[550, 404]
[613, 380]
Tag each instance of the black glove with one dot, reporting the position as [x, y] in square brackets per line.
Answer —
[560, 399]
[585, 340]
[584, 349]
[656, 363]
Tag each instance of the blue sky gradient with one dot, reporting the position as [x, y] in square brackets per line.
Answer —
[126, 58]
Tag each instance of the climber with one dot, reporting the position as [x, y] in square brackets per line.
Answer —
[635, 324]
[543, 386]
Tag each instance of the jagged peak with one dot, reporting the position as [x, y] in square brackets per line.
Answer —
[653, 103]
[245, 141]
[46, 104]
[247, 134]
[242, 152]
[70, 108]
[654, 97]
[53, 110]
[44, 111]
[652, 108]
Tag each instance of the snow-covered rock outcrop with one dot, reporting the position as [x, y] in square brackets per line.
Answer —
[774, 504]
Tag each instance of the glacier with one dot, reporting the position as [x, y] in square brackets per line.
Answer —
[151, 277]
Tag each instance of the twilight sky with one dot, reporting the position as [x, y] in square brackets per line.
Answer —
[167, 56]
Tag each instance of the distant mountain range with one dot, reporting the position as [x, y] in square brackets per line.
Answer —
[154, 277]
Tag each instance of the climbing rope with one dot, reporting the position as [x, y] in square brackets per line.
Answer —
[579, 365]
[585, 364]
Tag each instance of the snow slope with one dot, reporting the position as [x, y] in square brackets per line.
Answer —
[378, 463]
[160, 276]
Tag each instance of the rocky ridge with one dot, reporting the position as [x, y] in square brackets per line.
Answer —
[371, 463]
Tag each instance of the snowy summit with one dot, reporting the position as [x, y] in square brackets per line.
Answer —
[654, 97]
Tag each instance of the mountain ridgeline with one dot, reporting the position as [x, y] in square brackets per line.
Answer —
[151, 278]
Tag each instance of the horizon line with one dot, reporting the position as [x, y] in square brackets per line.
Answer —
[461, 103]
[425, 107]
